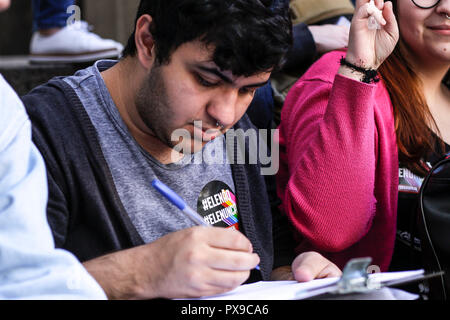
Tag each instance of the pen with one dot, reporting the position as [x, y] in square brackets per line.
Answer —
[177, 201]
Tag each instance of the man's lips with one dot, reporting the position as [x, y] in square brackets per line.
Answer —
[206, 134]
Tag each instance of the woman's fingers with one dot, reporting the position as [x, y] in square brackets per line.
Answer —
[391, 21]
[375, 12]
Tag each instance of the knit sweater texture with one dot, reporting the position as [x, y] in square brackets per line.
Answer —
[338, 177]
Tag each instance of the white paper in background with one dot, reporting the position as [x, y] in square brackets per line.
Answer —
[343, 21]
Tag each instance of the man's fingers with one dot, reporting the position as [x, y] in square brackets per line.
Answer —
[311, 265]
[303, 274]
[228, 239]
[232, 260]
[227, 280]
[307, 265]
[202, 289]
[206, 281]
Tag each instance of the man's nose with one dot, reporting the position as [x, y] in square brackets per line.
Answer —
[222, 107]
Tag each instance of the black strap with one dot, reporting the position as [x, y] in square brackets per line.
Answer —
[370, 75]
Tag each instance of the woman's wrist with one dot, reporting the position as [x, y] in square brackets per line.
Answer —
[358, 72]
[349, 73]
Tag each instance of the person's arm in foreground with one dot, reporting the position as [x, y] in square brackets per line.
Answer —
[30, 267]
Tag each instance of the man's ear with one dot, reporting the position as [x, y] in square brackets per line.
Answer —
[145, 44]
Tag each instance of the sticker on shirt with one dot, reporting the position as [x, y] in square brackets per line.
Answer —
[408, 181]
[217, 205]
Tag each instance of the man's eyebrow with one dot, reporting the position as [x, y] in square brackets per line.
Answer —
[257, 85]
[227, 79]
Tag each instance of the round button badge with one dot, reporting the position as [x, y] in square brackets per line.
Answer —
[218, 206]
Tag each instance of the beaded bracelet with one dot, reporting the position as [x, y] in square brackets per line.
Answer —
[370, 75]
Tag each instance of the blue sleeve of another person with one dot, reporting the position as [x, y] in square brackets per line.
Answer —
[30, 266]
[260, 110]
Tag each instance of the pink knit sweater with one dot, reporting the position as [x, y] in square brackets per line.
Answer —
[338, 178]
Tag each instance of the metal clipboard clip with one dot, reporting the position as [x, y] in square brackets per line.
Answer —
[356, 279]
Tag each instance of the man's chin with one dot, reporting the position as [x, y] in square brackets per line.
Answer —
[190, 147]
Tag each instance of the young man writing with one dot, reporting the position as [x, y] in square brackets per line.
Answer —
[107, 132]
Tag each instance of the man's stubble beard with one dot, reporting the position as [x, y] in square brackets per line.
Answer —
[153, 106]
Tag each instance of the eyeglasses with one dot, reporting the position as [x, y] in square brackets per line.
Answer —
[426, 4]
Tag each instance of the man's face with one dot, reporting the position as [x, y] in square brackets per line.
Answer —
[4, 4]
[193, 94]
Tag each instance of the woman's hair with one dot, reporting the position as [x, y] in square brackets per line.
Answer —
[249, 36]
[413, 119]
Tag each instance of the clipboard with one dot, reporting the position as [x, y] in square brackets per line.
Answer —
[355, 279]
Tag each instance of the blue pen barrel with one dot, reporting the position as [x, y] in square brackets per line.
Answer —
[194, 216]
[176, 200]
[169, 194]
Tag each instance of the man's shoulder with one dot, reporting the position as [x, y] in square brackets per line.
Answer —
[57, 116]
[48, 94]
[52, 100]
[60, 95]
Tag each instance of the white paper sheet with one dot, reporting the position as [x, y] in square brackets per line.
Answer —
[292, 290]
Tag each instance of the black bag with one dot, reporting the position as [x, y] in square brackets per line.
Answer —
[434, 226]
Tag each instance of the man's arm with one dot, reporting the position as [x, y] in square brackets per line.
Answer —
[190, 263]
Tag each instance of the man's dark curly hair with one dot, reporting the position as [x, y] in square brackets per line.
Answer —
[249, 36]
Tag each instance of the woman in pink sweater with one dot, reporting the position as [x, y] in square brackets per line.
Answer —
[341, 138]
